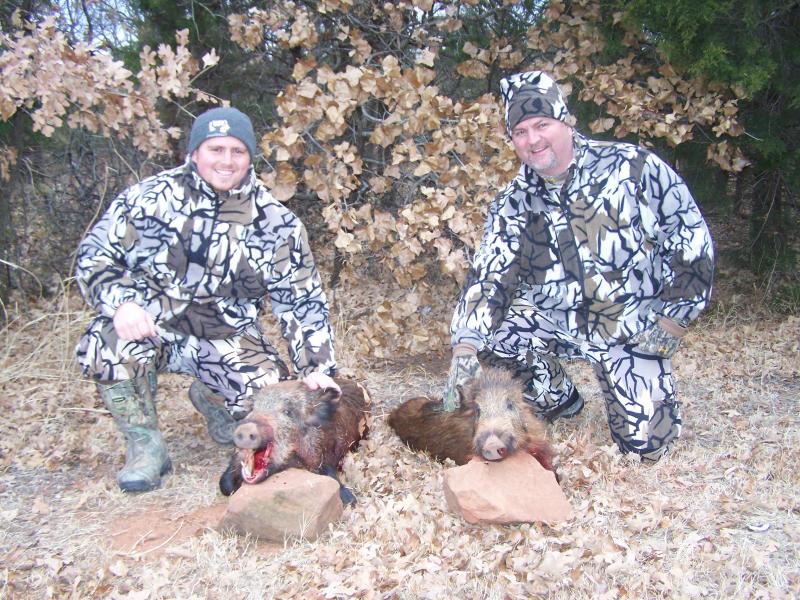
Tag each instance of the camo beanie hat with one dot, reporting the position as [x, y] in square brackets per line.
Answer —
[221, 122]
[532, 94]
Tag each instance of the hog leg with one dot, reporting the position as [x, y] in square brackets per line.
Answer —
[348, 498]
[231, 479]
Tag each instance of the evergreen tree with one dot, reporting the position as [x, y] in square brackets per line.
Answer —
[754, 46]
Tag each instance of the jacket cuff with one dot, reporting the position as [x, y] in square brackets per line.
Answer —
[467, 336]
[328, 369]
[116, 297]
[672, 327]
[681, 314]
[464, 349]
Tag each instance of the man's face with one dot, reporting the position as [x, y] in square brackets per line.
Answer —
[222, 162]
[544, 144]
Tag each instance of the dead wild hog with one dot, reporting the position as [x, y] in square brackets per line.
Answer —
[292, 426]
[492, 422]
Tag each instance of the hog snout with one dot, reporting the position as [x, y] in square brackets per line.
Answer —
[248, 435]
[495, 446]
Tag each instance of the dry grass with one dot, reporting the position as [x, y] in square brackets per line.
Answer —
[717, 518]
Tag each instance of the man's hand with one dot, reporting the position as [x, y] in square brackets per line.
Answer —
[132, 322]
[463, 367]
[662, 339]
[319, 381]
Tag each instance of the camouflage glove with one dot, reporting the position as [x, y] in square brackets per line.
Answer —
[463, 367]
[662, 339]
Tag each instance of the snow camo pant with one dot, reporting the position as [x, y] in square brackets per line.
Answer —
[234, 367]
[643, 413]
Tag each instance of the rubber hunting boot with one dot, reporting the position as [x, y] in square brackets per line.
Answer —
[131, 403]
[220, 422]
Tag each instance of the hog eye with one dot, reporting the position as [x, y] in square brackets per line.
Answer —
[510, 406]
[477, 410]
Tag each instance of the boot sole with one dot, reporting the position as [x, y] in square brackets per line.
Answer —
[146, 486]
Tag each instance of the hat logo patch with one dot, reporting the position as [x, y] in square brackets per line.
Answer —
[218, 127]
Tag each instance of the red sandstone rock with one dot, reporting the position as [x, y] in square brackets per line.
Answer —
[515, 490]
[292, 503]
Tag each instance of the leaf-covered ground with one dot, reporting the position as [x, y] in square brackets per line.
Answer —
[717, 518]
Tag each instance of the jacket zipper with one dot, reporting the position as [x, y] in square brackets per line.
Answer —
[563, 203]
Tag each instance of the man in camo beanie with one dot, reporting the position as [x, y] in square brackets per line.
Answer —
[221, 122]
[595, 250]
[532, 94]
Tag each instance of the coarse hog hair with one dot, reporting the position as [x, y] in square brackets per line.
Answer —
[292, 426]
[492, 422]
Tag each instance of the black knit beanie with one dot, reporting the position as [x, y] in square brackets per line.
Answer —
[221, 122]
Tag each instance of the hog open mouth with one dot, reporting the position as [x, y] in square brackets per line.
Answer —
[255, 464]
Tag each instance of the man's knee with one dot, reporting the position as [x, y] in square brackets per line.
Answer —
[102, 356]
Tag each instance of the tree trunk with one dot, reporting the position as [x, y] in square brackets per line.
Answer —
[8, 241]
[768, 240]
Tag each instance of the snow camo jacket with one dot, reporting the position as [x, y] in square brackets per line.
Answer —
[602, 257]
[202, 263]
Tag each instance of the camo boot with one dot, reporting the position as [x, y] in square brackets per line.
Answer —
[131, 404]
[220, 422]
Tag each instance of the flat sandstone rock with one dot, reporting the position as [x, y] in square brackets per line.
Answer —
[292, 503]
[515, 490]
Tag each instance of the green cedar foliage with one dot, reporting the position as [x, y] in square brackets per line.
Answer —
[753, 45]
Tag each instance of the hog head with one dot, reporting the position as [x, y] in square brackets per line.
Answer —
[285, 429]
[499, 413]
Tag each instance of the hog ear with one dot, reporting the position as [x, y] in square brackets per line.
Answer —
[323, 404]
[329, 394]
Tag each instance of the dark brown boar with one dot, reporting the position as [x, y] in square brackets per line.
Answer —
[292, 426]
[492, 422]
